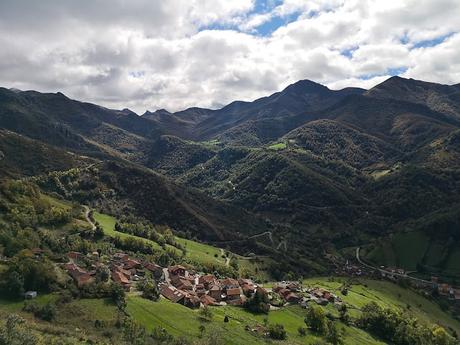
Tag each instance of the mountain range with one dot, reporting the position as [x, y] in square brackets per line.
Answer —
[321, 170]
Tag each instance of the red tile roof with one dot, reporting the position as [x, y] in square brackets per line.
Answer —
[233, 292]
[171, 293]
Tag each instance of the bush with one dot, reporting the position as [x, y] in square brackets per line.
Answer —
[117, 294]
[149, 290]
[316, 319]
[46, 312]
[277, 331]
[334, 334]
[205, 313]
[302, 331]
[258, 303]
[399, 328]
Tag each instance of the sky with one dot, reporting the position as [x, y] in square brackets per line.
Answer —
[153, 54]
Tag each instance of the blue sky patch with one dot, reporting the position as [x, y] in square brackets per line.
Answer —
[433, 42]
[390, 71]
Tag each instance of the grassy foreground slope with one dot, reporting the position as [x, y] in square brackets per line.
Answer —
[179, 320]
[387, 295]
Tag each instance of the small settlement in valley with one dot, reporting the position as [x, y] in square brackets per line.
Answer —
[187, 287]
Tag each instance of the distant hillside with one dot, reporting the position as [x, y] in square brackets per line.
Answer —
[21, 156]
[313, 167]
[203, 124]
[119, 187]
[81, 127]
[333, 140]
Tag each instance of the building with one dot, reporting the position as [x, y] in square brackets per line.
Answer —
[233, 293]
[30, 295]
[80, 276]
[444, 289]
[181, 283]
[172, 293]
[207, 280]
[74, 255]
[156, 270]
[208, 300]
[216, 292]
[292, 297]
[229, 283]
[200, 290]
[119, 277]
[131, 264]
[120, 256]
[177, 270]
[192, 301]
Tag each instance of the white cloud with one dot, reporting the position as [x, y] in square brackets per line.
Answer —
[147, 54]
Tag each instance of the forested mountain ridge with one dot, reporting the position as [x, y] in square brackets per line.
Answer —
[312, 165]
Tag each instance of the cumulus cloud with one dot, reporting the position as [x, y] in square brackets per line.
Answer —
[148, 54]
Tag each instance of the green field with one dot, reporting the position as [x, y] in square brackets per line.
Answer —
[410, 248]
[387, 295]
[179, 320]
[201, 252]
[108, 224]
[74, 319]
[198, 252]
[277, 146]
[16, 305]
[407, 250]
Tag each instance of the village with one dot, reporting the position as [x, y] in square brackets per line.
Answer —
[193, 289]
[189, 288]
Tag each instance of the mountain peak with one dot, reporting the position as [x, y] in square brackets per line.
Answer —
[305, 86]
[158, 112]
[397, 87]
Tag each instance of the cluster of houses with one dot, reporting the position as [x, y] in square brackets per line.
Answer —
[292, 292]
[446, 290]
[122, 269]
[192, 289]
[180, 285]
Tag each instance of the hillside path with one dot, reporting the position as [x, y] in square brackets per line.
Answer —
[227, 259]
[88, 218]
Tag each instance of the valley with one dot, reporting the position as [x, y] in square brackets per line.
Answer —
[284, 190]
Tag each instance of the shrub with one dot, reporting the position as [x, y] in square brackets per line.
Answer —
[258, 303]
[316, 319]
[46, 312]
[149, 290]
[277, 331]
[302, 331]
